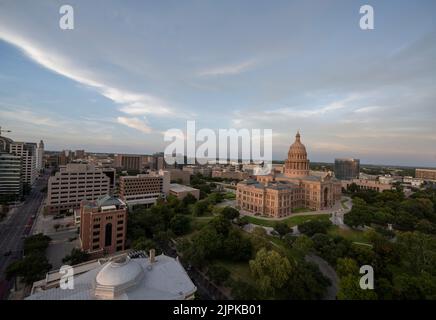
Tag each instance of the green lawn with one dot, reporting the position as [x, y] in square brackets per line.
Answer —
[352, 235]
[291, 221]
[229, 195]
[301, 210]
[238, 270]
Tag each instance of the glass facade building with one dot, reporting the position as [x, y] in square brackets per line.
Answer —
[347, 169]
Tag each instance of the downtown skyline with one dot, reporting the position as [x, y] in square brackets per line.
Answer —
[127, 74]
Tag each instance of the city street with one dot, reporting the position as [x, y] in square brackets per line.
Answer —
[13, 228]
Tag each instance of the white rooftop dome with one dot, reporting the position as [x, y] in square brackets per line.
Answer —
[117, 276]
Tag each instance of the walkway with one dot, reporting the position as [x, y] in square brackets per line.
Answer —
[336, 208]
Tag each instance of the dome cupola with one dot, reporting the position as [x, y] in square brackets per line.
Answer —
[297, 164]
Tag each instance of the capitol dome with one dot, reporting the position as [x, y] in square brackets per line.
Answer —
[117, 276]
[297, 150]
[297, 164]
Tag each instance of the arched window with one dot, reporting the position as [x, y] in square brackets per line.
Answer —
[108, 235]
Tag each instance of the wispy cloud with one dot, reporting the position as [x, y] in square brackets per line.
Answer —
[304, 112]
[135, 123]
[228, 69]
[28, 116]
[131, 103]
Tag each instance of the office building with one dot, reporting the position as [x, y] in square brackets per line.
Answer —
[426, 174]
[27, 152]
[144, 188]
[103, 224]
[10, 176]
[347, 169]
[179, 176]
[180, 191]
[80, 154]
[74, 183]
[129, 162]
[40, 156]
[365, 184]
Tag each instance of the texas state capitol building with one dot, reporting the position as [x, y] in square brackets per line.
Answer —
[278, 194]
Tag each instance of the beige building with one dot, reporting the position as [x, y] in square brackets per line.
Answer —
[131, 162]
[194, 169]
[103, 225]
[74, 183]
[426, 174]
[365, 184]
[229, 174]
[181, 191]
[144, 188]
[179, 175]
[27, 152]
[278, 194]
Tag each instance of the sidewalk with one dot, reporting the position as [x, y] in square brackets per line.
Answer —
[337, 208]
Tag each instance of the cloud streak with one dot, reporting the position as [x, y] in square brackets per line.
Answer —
[130, 103]
[231, 69]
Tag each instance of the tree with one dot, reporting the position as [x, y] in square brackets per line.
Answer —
[180, 224]
[347, 266]
[221, 225]
[218, 274]
[306, 282]
[32, 268]
[282, 228]
[216, 197]
[271, 271]
[312, 227]
[75, 257]
[236, 247]
[349, 289]
[302, 244]
[230, 213]
[36, 244]
[243, 291]
[143, 243]
[200, 208]
[189, 199]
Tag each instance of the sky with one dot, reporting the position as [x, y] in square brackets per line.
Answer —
[130, 70]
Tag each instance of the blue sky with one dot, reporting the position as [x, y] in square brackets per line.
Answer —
[131, 70]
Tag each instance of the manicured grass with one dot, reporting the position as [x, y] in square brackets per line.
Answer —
[352, 235]
[301, 210]
[199, 222]
[229, 195]
[238, 270]
[291, 221]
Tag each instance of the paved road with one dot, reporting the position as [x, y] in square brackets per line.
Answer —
[330, 273]
[11, 230]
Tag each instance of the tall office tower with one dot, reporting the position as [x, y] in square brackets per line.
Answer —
[40, 156]
[10, 176]
[103, 224]
[27, 152]
[73, 183]
[144, 188]
[347, 169]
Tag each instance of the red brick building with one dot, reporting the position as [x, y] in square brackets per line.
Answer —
[103, 224]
